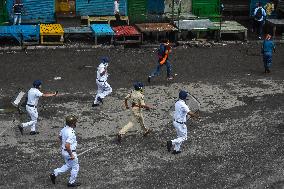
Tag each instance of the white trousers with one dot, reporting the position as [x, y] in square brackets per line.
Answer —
[104, 89]
[32, 111]
[181, 130]
[69, 164]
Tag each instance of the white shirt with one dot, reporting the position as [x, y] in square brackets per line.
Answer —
[33, 96]
[68, 136]
[116, 7]
[181, 110]
[101, 69]
[263, 13]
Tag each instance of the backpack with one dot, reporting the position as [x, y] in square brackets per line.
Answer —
[258, 14]
[161, 51]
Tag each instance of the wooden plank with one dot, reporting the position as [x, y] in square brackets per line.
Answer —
[106, 19]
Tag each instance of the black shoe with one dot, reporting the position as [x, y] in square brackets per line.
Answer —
[34, 133]
[119, 137]
[169, 145]
[52, 177]
[149, 79]
[100, 100]
[21, 129]
[75, 184]
[95, 105]
[176, 152]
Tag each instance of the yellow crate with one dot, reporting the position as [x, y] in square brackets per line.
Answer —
[51, 34]
[51, 29]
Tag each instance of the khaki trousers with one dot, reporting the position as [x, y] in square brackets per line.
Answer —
[136, 117]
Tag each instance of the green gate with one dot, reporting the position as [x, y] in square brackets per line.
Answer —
[3, 12]
[206, 9]
[137, 10]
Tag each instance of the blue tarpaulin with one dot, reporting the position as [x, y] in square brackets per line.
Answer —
[21, 32]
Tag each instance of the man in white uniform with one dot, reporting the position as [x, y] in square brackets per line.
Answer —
[31, 106]
[69, 143]
[181, 111]
[104, 88]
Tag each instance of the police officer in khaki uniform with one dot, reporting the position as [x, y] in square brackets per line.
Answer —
[136, 98]
[69, 143]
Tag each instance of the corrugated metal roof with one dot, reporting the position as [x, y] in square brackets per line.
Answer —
[156, 27]
[194, 24]
[35, 11]
[99, 7]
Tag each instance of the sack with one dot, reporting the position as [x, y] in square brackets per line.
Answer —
[258, 14]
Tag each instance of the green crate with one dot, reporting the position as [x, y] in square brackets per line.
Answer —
[206, 9]
[137, 10]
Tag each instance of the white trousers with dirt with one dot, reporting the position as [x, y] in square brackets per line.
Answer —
[32, 111]
[181, 130]
[136, 117]
[69, 164]
[104, 89]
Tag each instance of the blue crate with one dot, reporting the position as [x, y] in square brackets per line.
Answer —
[102, 30]
[21, 32]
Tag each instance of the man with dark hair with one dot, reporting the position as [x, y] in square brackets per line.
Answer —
[17, 10]
[259, 19]
[181, 111]
[267, 48]
[33, 96]
[136, 98]
[163, 54]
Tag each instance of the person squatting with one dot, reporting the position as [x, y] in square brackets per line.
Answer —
[33, 96]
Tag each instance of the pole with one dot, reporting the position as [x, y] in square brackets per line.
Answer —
[173, 5]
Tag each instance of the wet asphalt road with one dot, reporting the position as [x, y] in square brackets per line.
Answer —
[237, 143]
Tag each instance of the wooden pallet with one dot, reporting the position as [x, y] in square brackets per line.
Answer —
[51, 34]
[88, 20]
